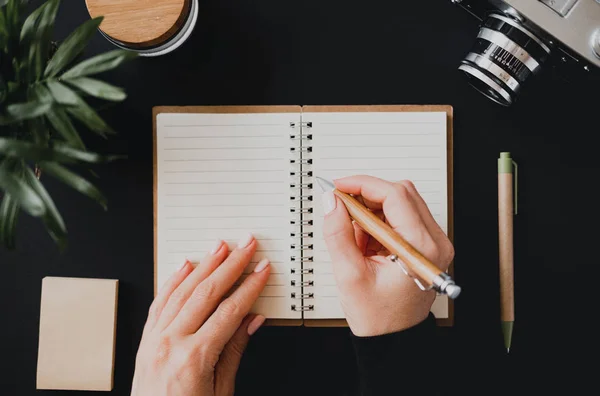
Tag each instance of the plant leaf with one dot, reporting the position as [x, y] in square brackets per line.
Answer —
[21, 192]
[52, 218]
[74, 181]
[61, 93]
[88, 116]
[99, 63]
[26, 111]
[98, 89]
[72, 46]
[3, 31]
[35, 36]
[8, 221]
[58, 118]
[58, 153]
[44, 36]
[28, 28]
[3, 87]
[41, 93]
[62, 124]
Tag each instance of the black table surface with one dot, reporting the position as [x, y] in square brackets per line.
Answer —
[272, 52]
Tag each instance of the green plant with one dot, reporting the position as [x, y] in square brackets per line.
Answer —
[40, 97]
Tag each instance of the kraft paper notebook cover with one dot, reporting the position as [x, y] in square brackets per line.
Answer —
[78, 319]
[223, 171]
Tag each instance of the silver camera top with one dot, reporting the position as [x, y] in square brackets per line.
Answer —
[518, 36]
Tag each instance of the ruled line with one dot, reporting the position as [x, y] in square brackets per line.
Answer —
[223, 228]
[213, 240]
[224, 159]
[372, 158]
[225, 217]
[228, 171]
[229, 182]
[379, 134]
[224, 136]
[220, 205]
[378, 169]
[381, 123]
[378, 146]
[223, 148]
[218, 125]
[225, 194]
[171, 263]
[202, 251]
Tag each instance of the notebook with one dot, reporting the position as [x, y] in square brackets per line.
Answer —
[221, 172]
[78, 319]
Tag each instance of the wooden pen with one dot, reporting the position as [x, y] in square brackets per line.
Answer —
[425, 274]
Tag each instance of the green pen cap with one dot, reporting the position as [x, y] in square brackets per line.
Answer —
[505, 163]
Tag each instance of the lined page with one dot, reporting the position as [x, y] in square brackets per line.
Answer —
[221, 176]
[391, 146]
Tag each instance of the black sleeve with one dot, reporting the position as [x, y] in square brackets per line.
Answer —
[396, 363]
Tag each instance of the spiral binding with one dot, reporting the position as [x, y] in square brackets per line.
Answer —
[302, 206]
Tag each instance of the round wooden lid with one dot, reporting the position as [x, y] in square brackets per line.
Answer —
[140, 23]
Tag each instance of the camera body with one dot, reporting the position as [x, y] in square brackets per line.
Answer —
[517, 37]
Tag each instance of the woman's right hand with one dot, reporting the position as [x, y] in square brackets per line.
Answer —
[377, 297]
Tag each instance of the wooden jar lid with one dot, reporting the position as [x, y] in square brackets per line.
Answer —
[140, 23]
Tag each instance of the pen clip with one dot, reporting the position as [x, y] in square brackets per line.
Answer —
[393, 258]
[516, 186]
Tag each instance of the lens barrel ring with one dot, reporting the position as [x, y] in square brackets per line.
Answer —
[503, 57]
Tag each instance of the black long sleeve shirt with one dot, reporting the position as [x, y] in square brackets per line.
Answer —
[397, 363]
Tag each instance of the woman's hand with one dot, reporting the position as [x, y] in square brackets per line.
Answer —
[194, 339]
[377, 297]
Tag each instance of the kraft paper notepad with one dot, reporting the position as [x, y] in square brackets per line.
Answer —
[221, 172]
[77, 334]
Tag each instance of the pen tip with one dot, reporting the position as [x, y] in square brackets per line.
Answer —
[325, 185]
[507, 350]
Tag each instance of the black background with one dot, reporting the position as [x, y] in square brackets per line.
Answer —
[346, 52]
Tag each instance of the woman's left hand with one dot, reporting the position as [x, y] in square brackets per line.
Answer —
[194, 338]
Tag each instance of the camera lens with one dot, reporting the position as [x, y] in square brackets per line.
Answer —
[504, 56]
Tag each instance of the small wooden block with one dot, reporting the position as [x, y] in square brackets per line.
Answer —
[138, 23]
[77, 334]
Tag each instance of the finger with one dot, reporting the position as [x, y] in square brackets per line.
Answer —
[438, 235]
[397, 203]
[208, 294]
[423, 210]
[361, 238]
[181, 294]
[230, 358]
[346, 257]
[165, 292]
[373, 190]
[367, 203]
[223, 323]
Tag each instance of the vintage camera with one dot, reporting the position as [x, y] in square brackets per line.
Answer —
[517, 37]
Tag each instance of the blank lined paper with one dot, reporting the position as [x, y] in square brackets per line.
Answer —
[392, 146]
[221, 176]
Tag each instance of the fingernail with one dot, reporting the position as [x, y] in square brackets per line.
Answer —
[245, 241]
[217, 247]
[262, 264]
[329, 202]
[255, 324]
[185, 263]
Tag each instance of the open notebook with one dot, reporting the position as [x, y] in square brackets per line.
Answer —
[221, 172]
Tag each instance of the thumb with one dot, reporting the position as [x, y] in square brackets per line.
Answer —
[230, 358]
[347, 260]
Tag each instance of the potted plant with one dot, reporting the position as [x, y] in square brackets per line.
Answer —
[42, 96]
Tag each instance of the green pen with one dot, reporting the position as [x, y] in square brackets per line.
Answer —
[507, 208]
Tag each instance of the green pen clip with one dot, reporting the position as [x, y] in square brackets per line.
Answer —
[507, 165]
